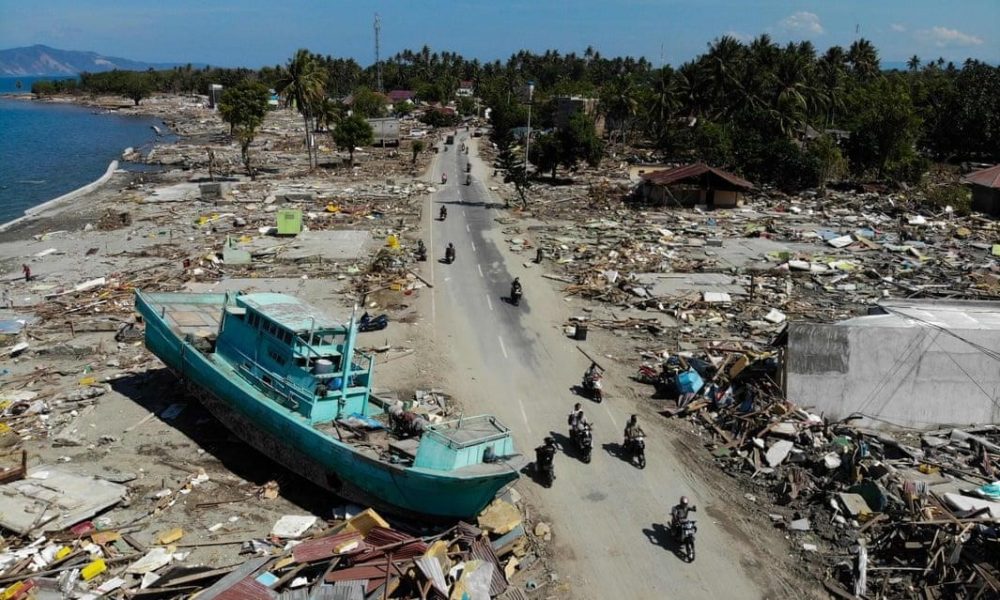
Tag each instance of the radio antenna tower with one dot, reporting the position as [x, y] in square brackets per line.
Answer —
[378, 62]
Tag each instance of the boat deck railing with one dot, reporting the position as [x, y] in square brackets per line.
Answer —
[468, 431]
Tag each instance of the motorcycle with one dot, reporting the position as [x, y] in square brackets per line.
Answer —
[584, 441]
[444, 178]
[449, 255]
[468, 180]
[444, 213]
[592, 388]
[369, 323]
[637, 451]
[515, 296]
[684, 533]
[545, 466]
[468, 167]
[647, 374]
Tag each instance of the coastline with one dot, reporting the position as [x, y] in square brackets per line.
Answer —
[55, 205]
[39, 210]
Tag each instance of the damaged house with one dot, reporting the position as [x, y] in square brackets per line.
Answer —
[909, 363]
[693, 184]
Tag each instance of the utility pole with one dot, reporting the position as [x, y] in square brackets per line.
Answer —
[378, 62]
[527, 144]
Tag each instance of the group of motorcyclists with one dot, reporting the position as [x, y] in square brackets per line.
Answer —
[581, 430]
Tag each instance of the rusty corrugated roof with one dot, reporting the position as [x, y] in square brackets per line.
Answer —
[482, 550]
[989, 177]
[695, 171]
[319, 549]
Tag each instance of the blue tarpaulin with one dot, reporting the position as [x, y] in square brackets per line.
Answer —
[689, 382]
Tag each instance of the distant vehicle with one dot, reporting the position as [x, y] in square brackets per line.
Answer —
[418, 134]
[450, 139]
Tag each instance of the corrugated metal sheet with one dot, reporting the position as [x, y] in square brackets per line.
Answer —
[240, 583]
[696, 170]
[319, 549]
[381, 537]
[482, 550]
[349, 590]
[431, 568]
[989, 177]
[342, 590]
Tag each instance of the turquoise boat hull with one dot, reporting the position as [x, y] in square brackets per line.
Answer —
[290, 440]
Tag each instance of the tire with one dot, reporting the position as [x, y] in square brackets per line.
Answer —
[689, 549]
[586, 456]
[642, 461]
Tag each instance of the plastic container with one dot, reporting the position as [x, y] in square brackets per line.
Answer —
[581, 332]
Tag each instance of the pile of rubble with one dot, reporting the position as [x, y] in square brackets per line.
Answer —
[892, 516]
[360, 556]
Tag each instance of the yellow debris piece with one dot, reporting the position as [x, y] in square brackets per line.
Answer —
[364, 522]
[170, 536]
[93, 569]
[500, 518]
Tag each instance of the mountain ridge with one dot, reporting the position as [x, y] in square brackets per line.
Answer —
[41, 60]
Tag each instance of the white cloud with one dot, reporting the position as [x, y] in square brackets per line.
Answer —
[739, 35]
[802, 22]
[942, 37]
[897, 27]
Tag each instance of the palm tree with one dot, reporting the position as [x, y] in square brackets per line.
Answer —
[328, 113]
[664, 100]
[863, 58]
[914, 63]
[621, 103]
[830, 72]
[720, 71]
[302, 83]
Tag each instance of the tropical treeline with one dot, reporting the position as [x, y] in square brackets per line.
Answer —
[789, 114]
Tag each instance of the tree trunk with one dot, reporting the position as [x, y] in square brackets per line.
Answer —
[350, 154]
[309, 148]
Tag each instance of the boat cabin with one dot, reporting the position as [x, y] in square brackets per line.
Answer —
[296, 355]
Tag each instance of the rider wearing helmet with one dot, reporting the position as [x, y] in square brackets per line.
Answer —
[680, 512]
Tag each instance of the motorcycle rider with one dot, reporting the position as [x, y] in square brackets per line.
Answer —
[515, 287]
[577, 421]
[444, 178]
[443, 213]
[449, 252]
[680, 512]
[421, 250]
[545, 455]
[633, 431]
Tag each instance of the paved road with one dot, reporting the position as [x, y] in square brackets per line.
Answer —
[516, 363]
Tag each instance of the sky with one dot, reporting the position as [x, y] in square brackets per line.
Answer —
[255, 33]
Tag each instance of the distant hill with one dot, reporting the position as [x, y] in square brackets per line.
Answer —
[42, 60]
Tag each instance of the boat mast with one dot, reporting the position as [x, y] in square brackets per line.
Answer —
[348, 355]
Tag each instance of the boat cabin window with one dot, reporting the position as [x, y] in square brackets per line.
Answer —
[319, 338]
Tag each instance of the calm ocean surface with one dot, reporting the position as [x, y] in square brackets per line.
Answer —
[48, 150]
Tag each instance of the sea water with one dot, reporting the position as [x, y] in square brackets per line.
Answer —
[47, 150]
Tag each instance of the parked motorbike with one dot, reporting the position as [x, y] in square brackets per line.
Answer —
[636, 450]
[684, 533]
[592, 388]
[584, 441]
[369, 323]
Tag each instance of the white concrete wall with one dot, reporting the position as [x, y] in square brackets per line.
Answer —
[899, 376]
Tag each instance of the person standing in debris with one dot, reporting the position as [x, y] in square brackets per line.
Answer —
[27, 272]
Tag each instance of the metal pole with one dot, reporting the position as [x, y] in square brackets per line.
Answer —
[527, 144]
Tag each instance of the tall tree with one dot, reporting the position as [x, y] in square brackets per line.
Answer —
[863, 58]
[244, 108]
[352, 132]
[302, 83]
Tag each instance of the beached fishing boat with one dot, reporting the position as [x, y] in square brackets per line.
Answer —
[287, 380]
